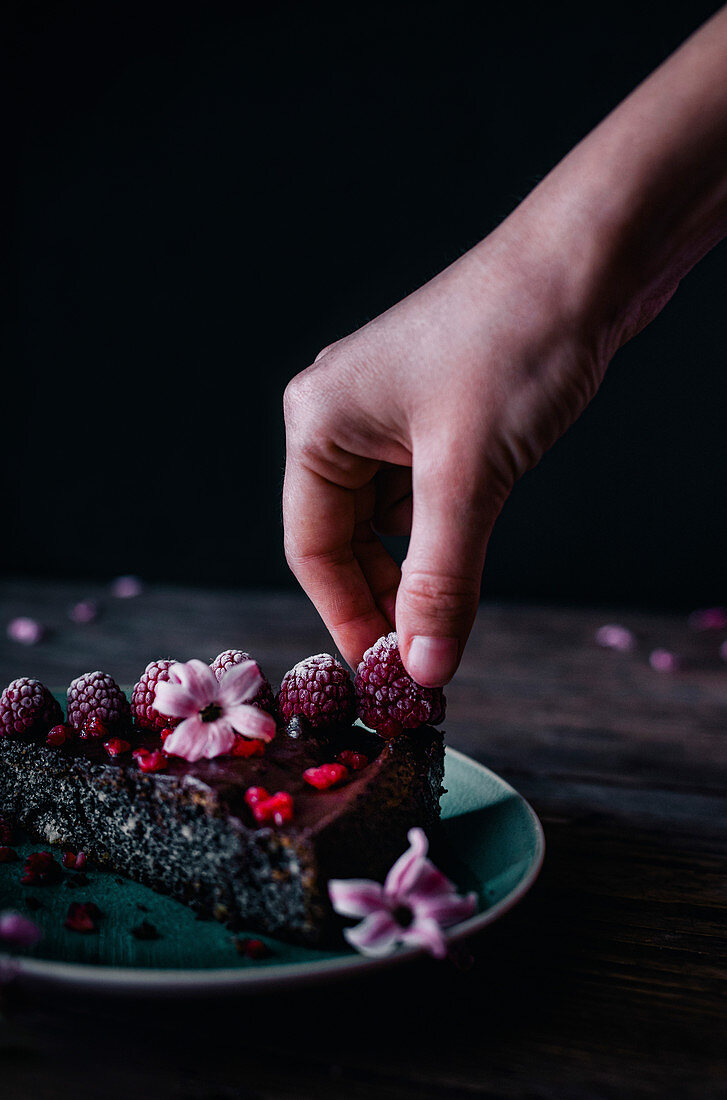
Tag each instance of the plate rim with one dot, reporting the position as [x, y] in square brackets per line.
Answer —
[220, 980]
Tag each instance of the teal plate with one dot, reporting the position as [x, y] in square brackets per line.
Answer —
[494, 845]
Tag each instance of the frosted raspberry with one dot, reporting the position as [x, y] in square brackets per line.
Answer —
[27, 708]
[387, 698]
[320, 689]
[142, 697]
[229, 657]
[97, 695]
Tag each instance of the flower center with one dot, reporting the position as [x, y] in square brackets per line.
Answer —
[211, 712]
[403, 916]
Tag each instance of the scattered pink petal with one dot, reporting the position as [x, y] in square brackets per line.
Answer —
[85, 611]
[18, 931]
[412, 908]
[613, 636]
[126, 587]
[213, 712]
[663, 661]
[708, 618]
[25, 630]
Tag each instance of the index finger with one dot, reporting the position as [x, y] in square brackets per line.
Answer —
[337, 559]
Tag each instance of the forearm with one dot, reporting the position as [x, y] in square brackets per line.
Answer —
[641, 199]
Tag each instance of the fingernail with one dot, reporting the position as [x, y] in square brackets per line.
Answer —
[432, 662]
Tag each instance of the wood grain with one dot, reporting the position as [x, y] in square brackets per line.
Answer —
[609, 980]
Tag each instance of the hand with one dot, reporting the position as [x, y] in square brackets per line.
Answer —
[420, 423]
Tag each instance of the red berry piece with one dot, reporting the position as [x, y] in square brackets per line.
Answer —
[353, 760]
[6, 831]
[148, 761]
[97, 695]
[247, 746]
[41, 870]
[142, 697]
[165, 733]
[82, 917]
[116, 746]
[327, 775]
[388, 700]
[93, 729]
[8, 855]
[264, 697]
[74, 861]
[277, 807]
[27, 709]
[255, 949]
[320, 689]
[59, 735]
[254, 795]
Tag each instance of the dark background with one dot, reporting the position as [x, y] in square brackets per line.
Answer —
[208, 194]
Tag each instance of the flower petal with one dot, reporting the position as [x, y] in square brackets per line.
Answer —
[375, 936]
[197, 678]
[425, 932]
[174, 701]
[239, 684]
[251, 721]
[188, 740]
[407, 865]
[355, 897]
[447, 909]
[220, 738]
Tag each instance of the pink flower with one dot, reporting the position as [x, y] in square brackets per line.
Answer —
[18, 931]
[211, 711]
[412, 907]
[126, 587]
[85, 611]
[709, 618]
[25, 630]
[661, 660]
[613, 636]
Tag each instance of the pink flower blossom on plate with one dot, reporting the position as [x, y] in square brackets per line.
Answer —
[126, 587]
[25, 630]
[412, 907]
[212, 711]
[709, 618]
[661, 660]
[17, 931]
[614, 636]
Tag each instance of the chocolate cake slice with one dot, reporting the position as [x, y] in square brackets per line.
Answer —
[189, 832]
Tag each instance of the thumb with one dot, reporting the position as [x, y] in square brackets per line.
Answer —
[453, 516]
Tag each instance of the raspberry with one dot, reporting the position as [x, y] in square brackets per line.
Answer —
[8, 855]
[388, 700]
[92, 728]
[320, 689]
[142, 697]
[229, 657]
[97, 695]
[28, 708]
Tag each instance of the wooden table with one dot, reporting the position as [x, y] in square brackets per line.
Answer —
[608, 980]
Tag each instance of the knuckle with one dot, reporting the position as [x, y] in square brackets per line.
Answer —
[440, 596]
